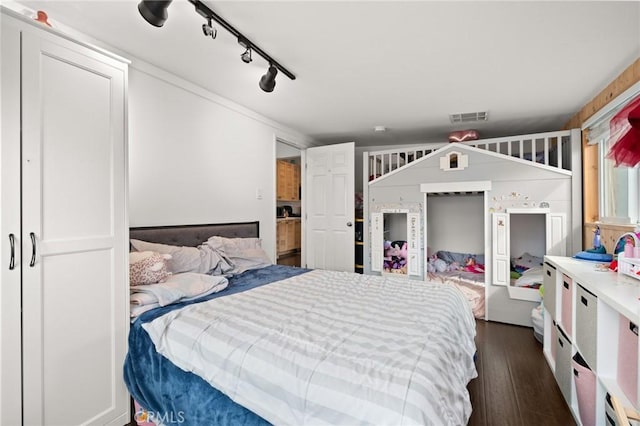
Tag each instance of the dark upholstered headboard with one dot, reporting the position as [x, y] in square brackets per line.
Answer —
[194, 235]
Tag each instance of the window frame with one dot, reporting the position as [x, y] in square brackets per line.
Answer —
[598, 126]
[632, 187]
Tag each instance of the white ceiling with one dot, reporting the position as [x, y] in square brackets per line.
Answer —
[403, 65]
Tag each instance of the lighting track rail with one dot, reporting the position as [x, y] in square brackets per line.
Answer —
[155, 12]
[205, 12]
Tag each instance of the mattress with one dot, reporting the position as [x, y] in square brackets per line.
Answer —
[470, 284]
[318, 347]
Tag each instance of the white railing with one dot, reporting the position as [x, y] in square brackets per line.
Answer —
[552, 149]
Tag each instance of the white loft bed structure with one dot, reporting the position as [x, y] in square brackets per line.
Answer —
[495, 198]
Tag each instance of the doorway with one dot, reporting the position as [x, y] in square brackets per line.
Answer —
[288, 204]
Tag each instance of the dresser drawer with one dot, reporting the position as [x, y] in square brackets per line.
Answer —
[549, 282]
[586, 333]
[567, 304]
[564, 368]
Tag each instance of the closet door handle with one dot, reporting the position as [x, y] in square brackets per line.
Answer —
[33, 249]
[12, 243]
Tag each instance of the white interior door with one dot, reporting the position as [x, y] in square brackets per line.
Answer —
[330, 207]
[75, 287]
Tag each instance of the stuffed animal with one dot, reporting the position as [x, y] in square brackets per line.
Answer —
[435, 264]
[147, 267]
[395, 256]
[397, 251]
[386, 260]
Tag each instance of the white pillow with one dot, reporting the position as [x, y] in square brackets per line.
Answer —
[183, 259]
[244, 253]
[235, 245]
[527, 261]
[536, 270]
[530, 277]
[179, 287]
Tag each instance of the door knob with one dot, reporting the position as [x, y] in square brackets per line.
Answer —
[349, 224]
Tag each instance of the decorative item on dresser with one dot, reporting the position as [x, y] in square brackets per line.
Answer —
[395, 371]
[64, 228]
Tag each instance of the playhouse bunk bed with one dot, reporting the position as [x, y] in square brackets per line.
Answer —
[530, 181]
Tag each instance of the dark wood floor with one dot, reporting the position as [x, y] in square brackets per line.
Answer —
[292, 259]
[515, 385]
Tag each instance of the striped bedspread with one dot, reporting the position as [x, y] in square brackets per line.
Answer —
[332, 348]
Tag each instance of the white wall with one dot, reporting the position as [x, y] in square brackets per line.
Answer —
[455, 223]
[284, 150]
[395, 226]
[528, 234]
[196, 158]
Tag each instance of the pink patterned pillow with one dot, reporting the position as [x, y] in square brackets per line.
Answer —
[147, 267]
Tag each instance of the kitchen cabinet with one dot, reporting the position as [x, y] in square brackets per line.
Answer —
[288, 181]
[288, 235]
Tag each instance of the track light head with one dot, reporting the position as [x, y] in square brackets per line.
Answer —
[154, 11]
[209, 30]
[246, 56]
[268, 81]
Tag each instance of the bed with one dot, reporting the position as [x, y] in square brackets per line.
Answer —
[286, 345]
[464, 271]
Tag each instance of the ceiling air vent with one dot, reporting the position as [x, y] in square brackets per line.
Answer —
[469, 117]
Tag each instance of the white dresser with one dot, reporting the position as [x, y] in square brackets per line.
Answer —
[594, 314]
[64, 229]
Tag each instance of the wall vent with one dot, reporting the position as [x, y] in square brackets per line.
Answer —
[469, 117]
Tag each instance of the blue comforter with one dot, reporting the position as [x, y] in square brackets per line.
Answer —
[171, 395]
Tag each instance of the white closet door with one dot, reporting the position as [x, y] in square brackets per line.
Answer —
[556, 227]
[500, 263]
[75, 291]
[10, 280]
[377, 241]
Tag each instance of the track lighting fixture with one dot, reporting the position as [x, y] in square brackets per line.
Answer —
[155, 13]
[246, 56]
[209, 30]
[268, 81]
